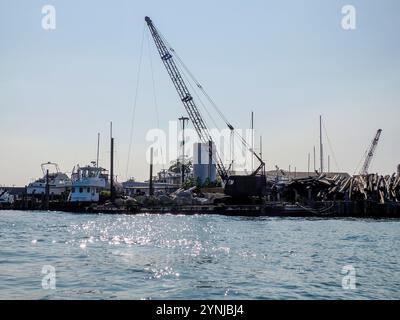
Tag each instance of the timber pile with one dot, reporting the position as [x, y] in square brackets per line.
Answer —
[372, 187]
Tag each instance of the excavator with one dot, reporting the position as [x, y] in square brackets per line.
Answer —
[236, 186]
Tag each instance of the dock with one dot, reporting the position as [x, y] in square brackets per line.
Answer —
[321, 209]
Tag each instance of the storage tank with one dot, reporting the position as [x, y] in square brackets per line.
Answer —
[203, 168]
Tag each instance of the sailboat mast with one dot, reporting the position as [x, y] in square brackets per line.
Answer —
[252, 141]
[321, 146]
[98, 148]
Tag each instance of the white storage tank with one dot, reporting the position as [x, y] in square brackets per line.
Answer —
[203, 168]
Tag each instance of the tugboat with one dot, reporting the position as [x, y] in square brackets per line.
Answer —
[88, 182]
[59, 183]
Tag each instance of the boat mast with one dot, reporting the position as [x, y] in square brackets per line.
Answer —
[112, 191]
[315, 165]
[252, 140]
[98, 148]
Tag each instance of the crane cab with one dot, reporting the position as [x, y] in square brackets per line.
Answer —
[245, 186]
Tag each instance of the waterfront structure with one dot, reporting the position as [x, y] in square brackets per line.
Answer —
[133, 188]
[168, 177]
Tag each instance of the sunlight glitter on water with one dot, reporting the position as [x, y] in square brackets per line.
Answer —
[199, 257]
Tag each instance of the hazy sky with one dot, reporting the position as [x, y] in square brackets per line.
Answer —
[289, 61]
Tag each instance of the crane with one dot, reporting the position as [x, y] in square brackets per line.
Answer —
[370, 154]
[233, 184]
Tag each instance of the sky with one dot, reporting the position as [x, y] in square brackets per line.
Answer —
[288, 61]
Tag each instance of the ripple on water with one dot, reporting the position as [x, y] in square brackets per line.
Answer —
[199, 257]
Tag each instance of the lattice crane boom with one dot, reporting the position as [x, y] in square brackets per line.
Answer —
[370, 154]
[184, 94]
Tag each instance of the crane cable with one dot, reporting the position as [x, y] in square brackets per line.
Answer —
[187, 74]
[154, 92]
[211, 101]
[195, 81]
[230, 126]
[135, 102]
[219, 155]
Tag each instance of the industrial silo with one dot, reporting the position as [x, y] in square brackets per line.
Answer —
[203, 164]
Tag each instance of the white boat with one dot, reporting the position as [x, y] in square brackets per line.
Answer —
[59, 183]
[87, 183]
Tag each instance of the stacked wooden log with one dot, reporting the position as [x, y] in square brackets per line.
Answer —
[373, 187]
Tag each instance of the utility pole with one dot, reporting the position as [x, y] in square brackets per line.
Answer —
[308, 164]
[183, 120]
[261, 147]
[320, 145]
[151, 187]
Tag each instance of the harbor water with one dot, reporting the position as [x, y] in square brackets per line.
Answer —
[53, 255]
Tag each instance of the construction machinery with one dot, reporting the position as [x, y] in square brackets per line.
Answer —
[370, 154]
[235, 185]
